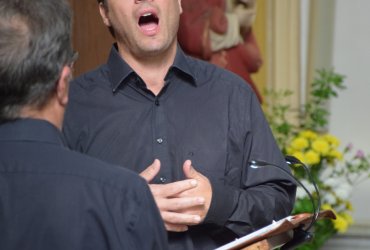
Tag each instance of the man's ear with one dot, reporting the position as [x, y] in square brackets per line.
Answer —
[104, 14]
[181, 6]
[63, 85]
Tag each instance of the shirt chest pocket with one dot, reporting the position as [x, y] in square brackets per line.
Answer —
[211, 162]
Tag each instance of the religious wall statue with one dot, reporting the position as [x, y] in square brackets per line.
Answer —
[220, 31]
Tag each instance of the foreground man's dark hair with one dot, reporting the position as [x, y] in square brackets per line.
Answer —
[35, 43]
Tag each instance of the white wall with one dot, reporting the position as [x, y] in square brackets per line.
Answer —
[350, 113]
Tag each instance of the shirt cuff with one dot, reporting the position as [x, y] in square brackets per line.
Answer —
[222, 204]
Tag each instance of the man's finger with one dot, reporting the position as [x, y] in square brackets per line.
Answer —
[177, 204]
[180, 218]
[150, 172]
[173, 188]
[176, 228]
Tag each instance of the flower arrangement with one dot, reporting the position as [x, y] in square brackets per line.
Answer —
[334, 170]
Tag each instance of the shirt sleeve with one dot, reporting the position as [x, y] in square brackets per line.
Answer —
[260, 195]
[147, 230]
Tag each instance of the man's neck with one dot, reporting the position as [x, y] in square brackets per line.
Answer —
[151, 69]
[49, 113]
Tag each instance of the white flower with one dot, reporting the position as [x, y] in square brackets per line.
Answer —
[332, 182]
[340, 186]
[343, 191]
[301, 193]
[326, 173]
[328, 198]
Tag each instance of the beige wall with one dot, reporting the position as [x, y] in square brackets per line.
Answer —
[349, 113]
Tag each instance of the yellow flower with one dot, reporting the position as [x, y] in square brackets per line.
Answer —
[334, 141]
[309, 134]
[340, 224]
[311, 157]
[336, 154]
[321, 146]
[348, 218]
[326, 206]
[290, 150]
[299, 155]
[349, 206]
[299, 143]
[343, 220]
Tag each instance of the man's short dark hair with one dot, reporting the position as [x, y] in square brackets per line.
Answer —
[35, 44]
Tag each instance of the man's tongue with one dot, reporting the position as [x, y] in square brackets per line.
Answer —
[149, 24]
[148, 28]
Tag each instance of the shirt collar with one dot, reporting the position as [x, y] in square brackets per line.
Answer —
[30, 130]
[120, 70]
[182, 64]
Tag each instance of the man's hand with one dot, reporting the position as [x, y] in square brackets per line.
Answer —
[203, 189]
[171, 203]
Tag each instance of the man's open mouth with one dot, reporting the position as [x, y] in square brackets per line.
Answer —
[148, 19]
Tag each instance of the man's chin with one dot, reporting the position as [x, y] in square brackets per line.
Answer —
[155, 49]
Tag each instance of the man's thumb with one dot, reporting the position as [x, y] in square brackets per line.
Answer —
[189, 170]
[150, 172]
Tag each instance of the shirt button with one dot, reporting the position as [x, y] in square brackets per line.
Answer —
[163, 179]
[160, 140]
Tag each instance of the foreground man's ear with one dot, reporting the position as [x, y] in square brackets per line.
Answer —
[62, 87]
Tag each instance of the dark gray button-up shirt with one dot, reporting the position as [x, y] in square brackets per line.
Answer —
[54, 198]
[203, 113]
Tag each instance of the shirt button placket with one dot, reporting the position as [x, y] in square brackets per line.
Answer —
[163, 179]
[160, 149]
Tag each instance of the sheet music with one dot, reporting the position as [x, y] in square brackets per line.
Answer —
[266, 229]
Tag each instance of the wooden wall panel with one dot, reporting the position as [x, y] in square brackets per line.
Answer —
[91, 37]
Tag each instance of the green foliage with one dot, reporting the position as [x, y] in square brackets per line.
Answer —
[276, 114]
[324, 87]
[313, 115]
